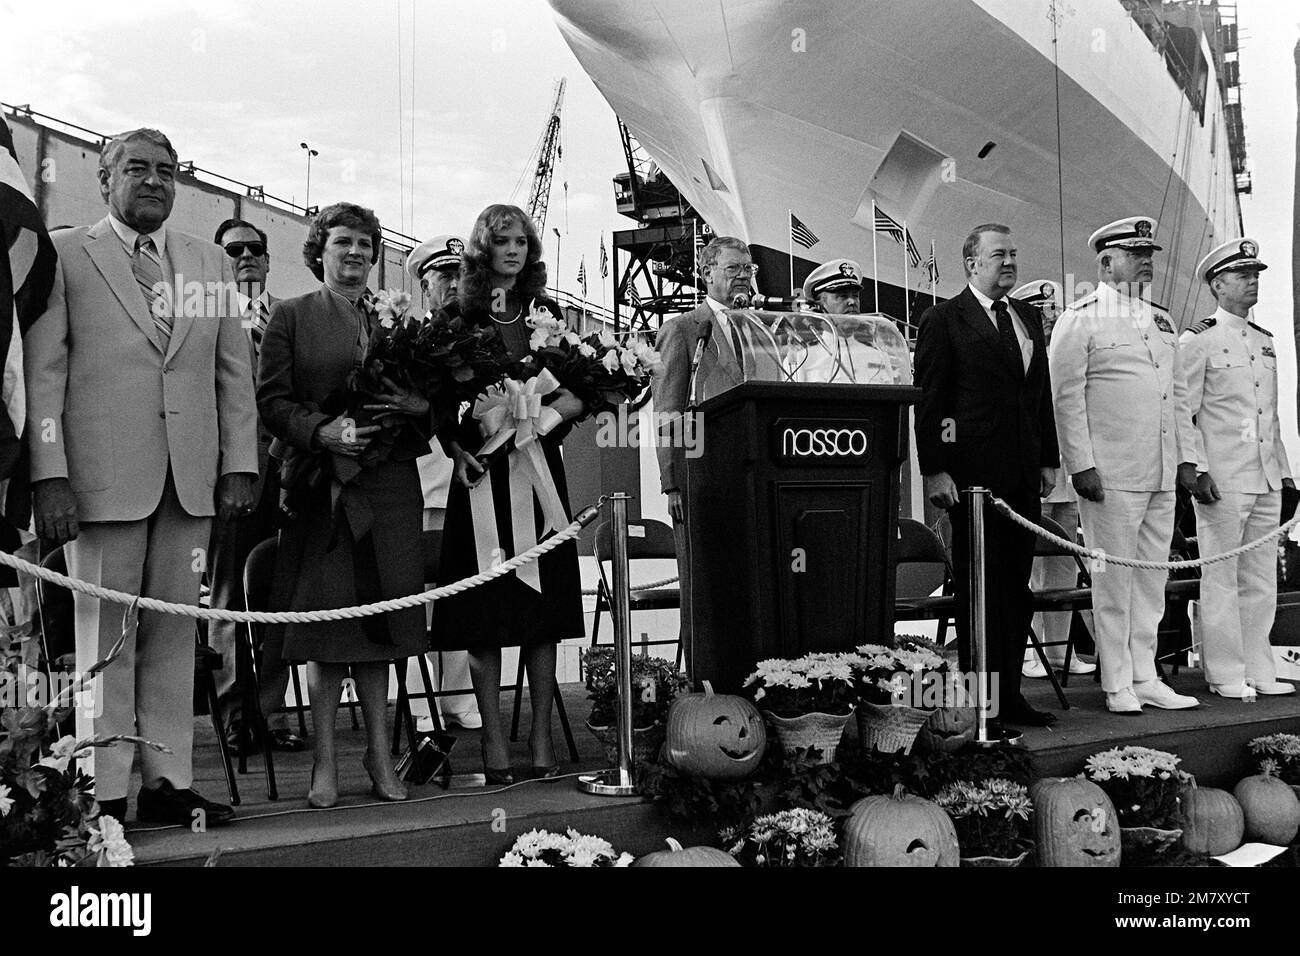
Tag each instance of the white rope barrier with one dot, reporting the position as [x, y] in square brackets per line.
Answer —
[1097, 554]
[307, 617]
[587, 592]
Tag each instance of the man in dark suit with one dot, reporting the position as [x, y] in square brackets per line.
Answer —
[985, 419]
[729, 355]
[246, 247]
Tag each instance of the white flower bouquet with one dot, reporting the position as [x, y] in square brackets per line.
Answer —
[1144, 785]
[812, 684]
[568, 849]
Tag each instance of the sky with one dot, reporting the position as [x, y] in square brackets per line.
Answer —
[428, 110]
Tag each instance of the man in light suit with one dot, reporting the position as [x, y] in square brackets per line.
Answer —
[727, 269]
[140, 395]
[250, 257]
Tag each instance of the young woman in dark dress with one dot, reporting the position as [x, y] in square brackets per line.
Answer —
[502, 280]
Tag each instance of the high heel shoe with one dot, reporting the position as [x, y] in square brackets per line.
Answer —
[495, 776]
[545, 771]
[389, 792]
[318, 800]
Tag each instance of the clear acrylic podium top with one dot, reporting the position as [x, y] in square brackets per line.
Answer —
[819, 348]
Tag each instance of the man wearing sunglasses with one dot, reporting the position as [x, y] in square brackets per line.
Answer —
[246, 249]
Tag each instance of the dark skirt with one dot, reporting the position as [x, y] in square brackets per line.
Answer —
[319, 565]
[507, 612]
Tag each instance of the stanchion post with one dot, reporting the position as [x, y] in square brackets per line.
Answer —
[976, 501]
[618, 782]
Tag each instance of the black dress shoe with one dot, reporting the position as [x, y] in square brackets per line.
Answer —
[113, 808]
[166, 804]
[236, 740]
[287, 740]
[1023, 715]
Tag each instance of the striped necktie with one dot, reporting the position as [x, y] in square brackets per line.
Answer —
[255, 318]
[148, 275]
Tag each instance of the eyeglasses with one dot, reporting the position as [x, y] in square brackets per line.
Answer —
[734, 270]
[236, 249]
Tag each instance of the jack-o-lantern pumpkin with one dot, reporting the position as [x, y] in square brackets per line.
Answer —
[899, 830]
[948, 730]
[1212, 821]
[1271, 809]
[691, 856]
[1074, 823]
[716, 736]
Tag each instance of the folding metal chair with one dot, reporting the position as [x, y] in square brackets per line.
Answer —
[921, 567]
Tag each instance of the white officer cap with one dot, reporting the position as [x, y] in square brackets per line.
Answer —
[440, 252]
[833, 276]
[1135, 232]
[1234, 255]
[1039, 290]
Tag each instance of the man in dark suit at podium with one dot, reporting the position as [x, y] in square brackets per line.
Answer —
[985, 419]
[728, 270]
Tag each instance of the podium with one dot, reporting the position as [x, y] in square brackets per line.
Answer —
[792, 522]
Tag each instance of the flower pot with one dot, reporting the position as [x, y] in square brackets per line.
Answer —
[889, 728]
[822, 731]
[1002, 861]
[1139, 846]
[646, 742]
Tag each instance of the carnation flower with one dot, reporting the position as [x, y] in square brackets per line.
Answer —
[60, 754]
[6, 802]
[109, 841]
[610, 360]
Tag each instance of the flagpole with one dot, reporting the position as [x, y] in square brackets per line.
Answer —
[907, 282]
[934, 269]
[875, 269]
[789, 241]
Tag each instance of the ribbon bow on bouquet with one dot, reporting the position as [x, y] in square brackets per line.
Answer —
[515, 410]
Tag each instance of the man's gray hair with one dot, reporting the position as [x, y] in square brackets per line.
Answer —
[113, 151]
[709, 254]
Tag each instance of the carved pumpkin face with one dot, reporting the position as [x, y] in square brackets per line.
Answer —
[717, 736]
[899, 830]
[1075, 824]
[948, 730]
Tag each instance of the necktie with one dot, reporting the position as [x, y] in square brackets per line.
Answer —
[148, 275]
[1007, 332]
[256, 319]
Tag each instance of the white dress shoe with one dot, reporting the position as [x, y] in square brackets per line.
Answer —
[1274, 687]
[1235, 691]
[469, 720]
[1033, 668]
[1123, 702]
[1080, 666]
[1159, 694]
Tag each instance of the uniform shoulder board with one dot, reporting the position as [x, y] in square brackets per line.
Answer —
[1202, 325]
[1259, 329]
[1083, 303]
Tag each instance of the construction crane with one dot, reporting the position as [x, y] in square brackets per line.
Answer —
[544, 156]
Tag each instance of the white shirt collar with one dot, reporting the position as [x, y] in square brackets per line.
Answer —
[129, 235]
[984, 300]
[245, 301]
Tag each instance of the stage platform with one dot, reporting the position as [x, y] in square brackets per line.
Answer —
[470, 825]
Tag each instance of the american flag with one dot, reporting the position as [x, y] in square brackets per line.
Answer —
[932, 267]
[630, 294]
[604, 258]
[582, 276]
[894, 229]
[801, 233]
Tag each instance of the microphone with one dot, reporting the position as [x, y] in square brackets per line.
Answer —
[740, 300]
[776, 303]
[701, 342]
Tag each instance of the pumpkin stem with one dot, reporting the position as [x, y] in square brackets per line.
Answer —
[673, 845]
[899, 791]
[708, 688]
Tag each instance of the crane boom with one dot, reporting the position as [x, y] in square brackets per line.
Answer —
[548, 150]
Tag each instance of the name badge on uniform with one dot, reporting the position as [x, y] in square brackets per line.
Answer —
[1163, 324]
[1268, 350]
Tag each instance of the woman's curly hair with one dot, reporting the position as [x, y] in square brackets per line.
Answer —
[476, 283]
[339, 214]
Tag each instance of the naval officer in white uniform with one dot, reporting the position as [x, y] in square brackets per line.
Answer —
[1228, 365]
[849, 355]
[1121, 422]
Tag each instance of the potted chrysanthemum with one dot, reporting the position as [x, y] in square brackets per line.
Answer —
[898, 690]
[1145, 786]
[798, 837]
[1279, 756]
[807, 700]
[992, 819]
[541, 848]
[655, 684]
